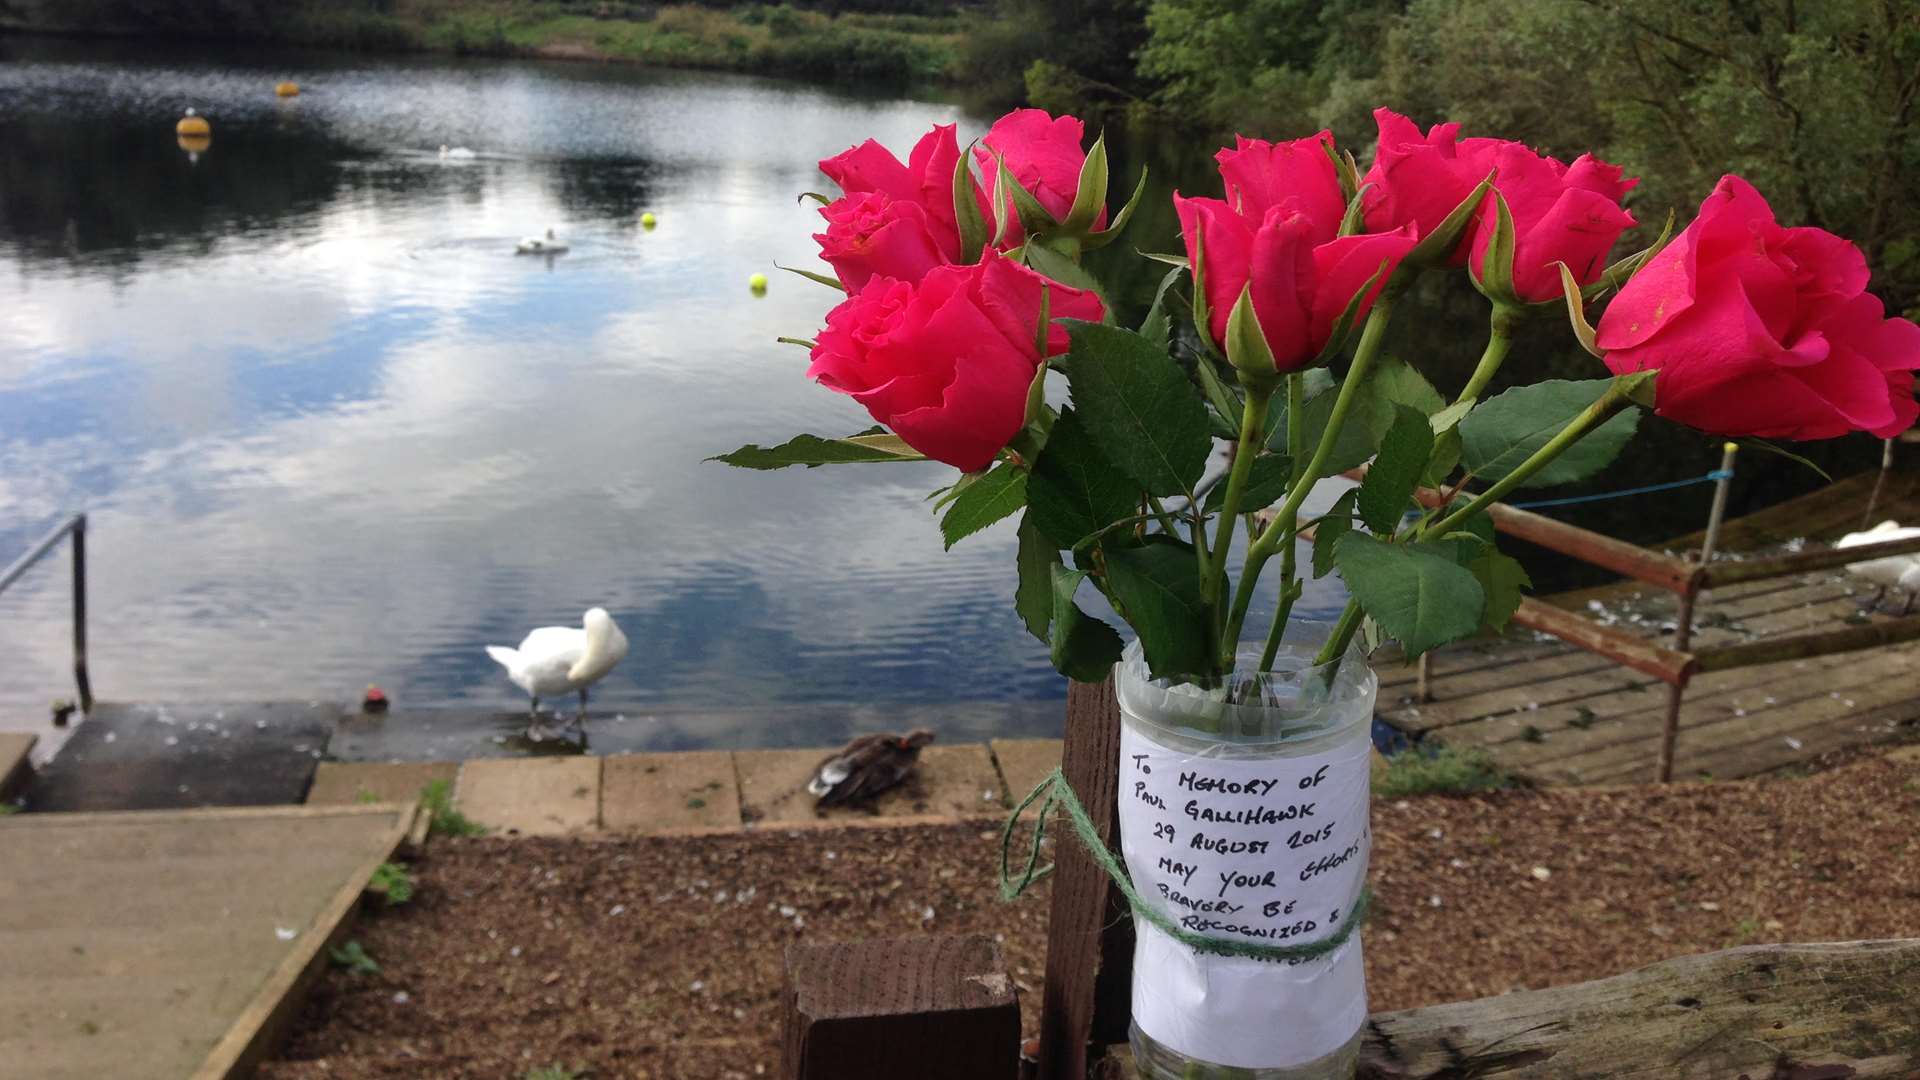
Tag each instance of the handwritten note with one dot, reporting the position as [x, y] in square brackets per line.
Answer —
[1271, 851]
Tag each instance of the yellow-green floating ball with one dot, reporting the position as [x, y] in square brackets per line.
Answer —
[648, 221]
[758, 283]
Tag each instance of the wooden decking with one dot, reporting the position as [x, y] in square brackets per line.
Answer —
[171, 943]
[1553, 714]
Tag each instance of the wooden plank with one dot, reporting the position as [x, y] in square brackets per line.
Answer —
[1799, 1011]
[1840, 1011]
[1086, 998]
[1803, 562]
[660, 793]
[258, 1029]
[1627, 649]
[1729, 747]
[543, 796]
[1825, 513]
[1721, 728]
[933, 1007]
[1564, 731]
[1869, 635]
[1628, 560]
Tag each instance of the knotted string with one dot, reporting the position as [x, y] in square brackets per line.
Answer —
[1058, 793]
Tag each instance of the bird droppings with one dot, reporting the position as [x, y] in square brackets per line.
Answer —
[285, 933]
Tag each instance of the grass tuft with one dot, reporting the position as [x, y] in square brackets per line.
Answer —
[1439, 770]
[392, 881]
[446, 821]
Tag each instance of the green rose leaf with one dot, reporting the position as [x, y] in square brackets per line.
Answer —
[1504, 431]
[812, 450]
[1392, 384]
[1353, 445]
[1033, 593]
[1267, 482]
[1502, 578]
[1074, 490]
[1157, 327]
[1138, 406]
[1403, 457]
[1417, 592]
[994, 496]
[1154, 585]
[1083, 647]
[1337, 523]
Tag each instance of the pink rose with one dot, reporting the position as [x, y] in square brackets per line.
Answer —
[1044, 155]
[1762, 330]
[1561, 213]
[1276, 236]
[1259, 175]
[873, 234]
[946, 362]
[926, 180]
[1416, 179]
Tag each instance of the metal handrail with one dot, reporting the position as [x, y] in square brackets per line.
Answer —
[75, 526]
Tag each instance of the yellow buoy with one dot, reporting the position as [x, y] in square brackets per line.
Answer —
[758, 283]
[194, 144]
[193, 125]
[287, 89]
[648, 221]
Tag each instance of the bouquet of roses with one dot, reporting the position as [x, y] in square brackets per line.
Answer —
[965, 294]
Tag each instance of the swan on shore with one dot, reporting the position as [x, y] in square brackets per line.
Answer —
[458, 153]
[557, 660]
[540, 245]
[1897, 572]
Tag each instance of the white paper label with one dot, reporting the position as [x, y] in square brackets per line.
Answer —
[1271, 851]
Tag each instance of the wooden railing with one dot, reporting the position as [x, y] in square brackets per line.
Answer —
[1678, 663]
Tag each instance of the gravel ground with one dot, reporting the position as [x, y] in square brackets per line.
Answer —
[661, 958]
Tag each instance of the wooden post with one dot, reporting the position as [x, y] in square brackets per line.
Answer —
[1879, 482]
[932, 1008]
[1088, 993]
[1683, 631]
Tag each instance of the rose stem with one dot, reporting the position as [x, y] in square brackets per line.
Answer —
[1289, 578]
[1285, 523]
[1499, 340]
[1610, 403]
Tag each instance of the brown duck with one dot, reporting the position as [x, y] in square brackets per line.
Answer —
[866, 767]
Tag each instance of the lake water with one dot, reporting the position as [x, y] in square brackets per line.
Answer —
[331, 431]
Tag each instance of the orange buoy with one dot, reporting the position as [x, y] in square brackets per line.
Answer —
[192, 125]
[289, 88]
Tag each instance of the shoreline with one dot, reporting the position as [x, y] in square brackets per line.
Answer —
[909, 52]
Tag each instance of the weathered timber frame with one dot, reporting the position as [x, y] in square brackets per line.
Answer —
[1677, 664]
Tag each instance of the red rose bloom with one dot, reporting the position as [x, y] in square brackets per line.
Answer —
[946, 362]
[1757, 329]
[1277, 236]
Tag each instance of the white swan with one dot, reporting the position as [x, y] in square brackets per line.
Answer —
[540, 245]
[1898, 572]
[559, 659]
[458, 153]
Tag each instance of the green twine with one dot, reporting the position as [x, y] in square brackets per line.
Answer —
[1058, 792]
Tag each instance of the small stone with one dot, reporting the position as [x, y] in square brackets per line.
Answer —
[400, 997]
[1794, 743]
[1775, 924]
[698, 985]
[1433, 901]
[1708, 905]
[617, 909]
[1458, 864]
[1541, 873]
[285, 933]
